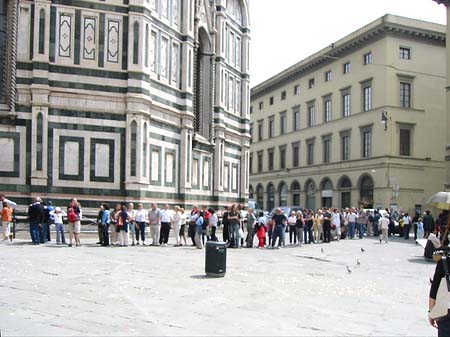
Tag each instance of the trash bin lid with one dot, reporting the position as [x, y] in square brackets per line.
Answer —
[216, 244]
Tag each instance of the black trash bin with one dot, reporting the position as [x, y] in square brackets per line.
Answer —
[215, 259]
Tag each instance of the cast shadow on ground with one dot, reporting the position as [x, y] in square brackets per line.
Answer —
[420, 260]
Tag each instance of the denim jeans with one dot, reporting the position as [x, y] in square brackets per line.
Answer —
[236, 238]
[141, 230]
[34, 231]
[351, 229]
[361, 230]
[132, 230]
[308, 234]
[60, 233]
[278, 231]
[444, 327]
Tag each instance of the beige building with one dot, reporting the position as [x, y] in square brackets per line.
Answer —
[362, 121]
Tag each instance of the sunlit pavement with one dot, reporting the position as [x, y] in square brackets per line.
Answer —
[91, 290]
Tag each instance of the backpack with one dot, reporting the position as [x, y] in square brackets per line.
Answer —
[120, 221]
[72, 216]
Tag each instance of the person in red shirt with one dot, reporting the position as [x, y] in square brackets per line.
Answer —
[6, 221]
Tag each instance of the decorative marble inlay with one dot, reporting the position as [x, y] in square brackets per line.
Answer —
[71, 164]
[7, 161]
[113, 41]
[164, 46]
[153, 44]
[155, 165]
[174, 67]
[102, 158]
[65, 34]
[169, 168]
[205, 173]
[164, 8]
[89, 38]
[175, 13]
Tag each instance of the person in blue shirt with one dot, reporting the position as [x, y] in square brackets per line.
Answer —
[104, 222]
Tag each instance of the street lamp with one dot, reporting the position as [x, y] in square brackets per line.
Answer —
[384, 119]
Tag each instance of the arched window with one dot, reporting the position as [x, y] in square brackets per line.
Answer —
[295, 190]
[310, 195]
[366, 191]
[41, 44]
[327, 193]
[133, 149]
[147, 44]
[39, 140]
[283, 194]
[260, 195]
[270, 196]
[345, 186]
[234, 10]
[144, 152]
[136, 43]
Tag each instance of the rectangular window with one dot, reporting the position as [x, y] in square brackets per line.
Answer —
[169, 168]
[405, 95]
[326, 150]
[283, 124]
[295, 154]
[271, 127]
[155, 166]
[367, 98]
[310, 153]
[367, 59]
[345, 104]
[194, 172]
[367, 144]
[405, 53]
[327, 110]
[296, 119]
[238, 53]
[270, 160]
[328, 76]
[261, 105]
[251, 133]
[405, 142]
[346, 68]
[282, 157]
[271, 100]
[283, 95]
[251, 109]
[311, 115]
[250, 164]
[260, 161]
[260, 130]
[226, 177]
[297, 90]
[311, 83]
[345, 147]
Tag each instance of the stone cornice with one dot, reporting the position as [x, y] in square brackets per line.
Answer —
[444, 2]
[388, 24]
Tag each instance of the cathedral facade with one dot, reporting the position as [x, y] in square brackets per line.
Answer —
[125, 100]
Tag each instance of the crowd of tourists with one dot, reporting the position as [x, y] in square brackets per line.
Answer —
[125, 224]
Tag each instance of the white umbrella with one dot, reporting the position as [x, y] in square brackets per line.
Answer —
[440, 200]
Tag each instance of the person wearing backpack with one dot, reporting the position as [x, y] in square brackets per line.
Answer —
[123, 218]
[74, 216]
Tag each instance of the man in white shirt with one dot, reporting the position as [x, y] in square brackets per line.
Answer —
[337, 223]
[352, 222]
[383, 223]
[166, 220]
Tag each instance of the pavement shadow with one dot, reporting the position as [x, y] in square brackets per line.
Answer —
[200, 277]
[420, 260]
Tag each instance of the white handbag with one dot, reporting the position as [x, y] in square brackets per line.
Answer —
[440, 308]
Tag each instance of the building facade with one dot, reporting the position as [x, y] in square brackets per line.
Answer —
[361, 122]
[125, 100]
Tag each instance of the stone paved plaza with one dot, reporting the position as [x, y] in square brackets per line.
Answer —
[89, 290]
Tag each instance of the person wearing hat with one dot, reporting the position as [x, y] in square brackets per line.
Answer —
[58, 215]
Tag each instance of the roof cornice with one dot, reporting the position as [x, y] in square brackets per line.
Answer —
[388, 24]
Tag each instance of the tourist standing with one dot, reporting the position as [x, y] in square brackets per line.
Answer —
[105, 221]
[113, 224]
[132, 223]
[58, 215]
[123, 220]
[327, 226]
[443, 324]
[6, 221]
[361, 222]
[195, 213]
[420, 230]
[166, 219]
[74, 214]
[225, 223]
[336, 221]
[183, 226]
[251, 220]
[317, 226]
[309, 223]
[234, 223]
[36, 216]
[176, 224]
[213, 223]
[141, 219]
[384, 226]
[292, 220]
[154, 218]
[199, 230]
[428, 223]
[279, 220]
[299, 226]
[352, 217]
[406, 225]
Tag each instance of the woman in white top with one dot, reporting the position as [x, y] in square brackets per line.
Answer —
[406, 226]
[292, 221]
[58, 215]
[176, 224]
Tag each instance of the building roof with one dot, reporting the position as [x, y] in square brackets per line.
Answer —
[386, 24]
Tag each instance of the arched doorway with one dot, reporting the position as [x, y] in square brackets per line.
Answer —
[250, 192]
[260, 195]
[203, 84]
[345, 186]
[327, 193]
[310, 188]
[295, 190]
[366, 191]
[282, 194]
[270, 196]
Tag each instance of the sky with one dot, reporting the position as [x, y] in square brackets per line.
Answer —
[284, 32]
